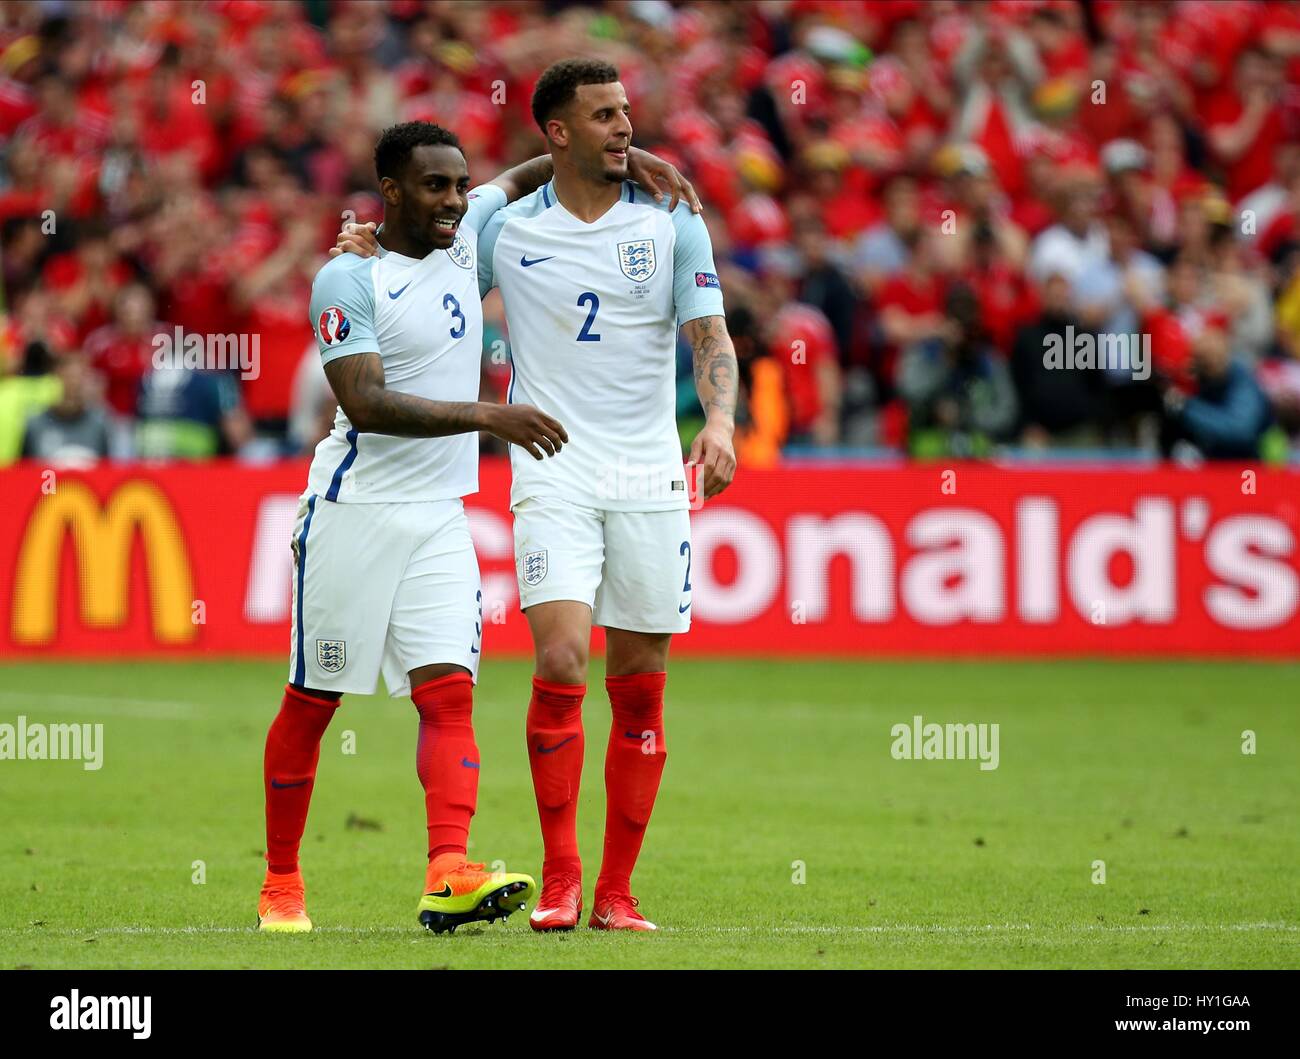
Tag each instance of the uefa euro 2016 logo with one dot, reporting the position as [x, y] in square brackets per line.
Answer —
[333, 325]
[637, 259]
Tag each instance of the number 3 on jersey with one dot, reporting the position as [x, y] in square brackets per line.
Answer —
[449, 302]
[586, 334]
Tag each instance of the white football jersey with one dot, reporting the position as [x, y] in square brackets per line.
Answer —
[425, 320]
[593, 312]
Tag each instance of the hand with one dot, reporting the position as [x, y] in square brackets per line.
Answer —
[716, 459]
[359, 239]
[528, 427]
[649, 171]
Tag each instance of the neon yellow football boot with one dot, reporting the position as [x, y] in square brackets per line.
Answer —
[458, 891]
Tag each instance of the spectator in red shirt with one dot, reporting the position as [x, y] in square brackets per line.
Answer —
[87, 279]
[909, 307]
[275, 296]
[1245, 122]
[122, 351]
[800, 339]
[881, 252]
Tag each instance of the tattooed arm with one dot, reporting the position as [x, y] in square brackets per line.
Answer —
[525, 178]
[716, 379]
[358, 383]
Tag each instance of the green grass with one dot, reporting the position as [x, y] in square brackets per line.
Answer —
[908, 864]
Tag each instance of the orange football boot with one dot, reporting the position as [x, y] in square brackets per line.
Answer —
[282, 907]
[458, 891]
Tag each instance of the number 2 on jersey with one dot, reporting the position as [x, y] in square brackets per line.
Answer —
[586, 334]
[449, 302]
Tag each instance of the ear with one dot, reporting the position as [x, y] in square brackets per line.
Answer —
[557, 133]
[390, 191]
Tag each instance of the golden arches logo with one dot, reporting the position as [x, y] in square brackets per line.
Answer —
[101, 538]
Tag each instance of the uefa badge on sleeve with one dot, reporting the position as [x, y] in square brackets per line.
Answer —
[333, 325]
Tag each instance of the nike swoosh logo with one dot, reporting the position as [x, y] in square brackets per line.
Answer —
[603, 920]
[523, 260]
[683, 610]
[281, 786]
[632, 735]
[400, 292]
[473, 650]
[444, 892]
[552, 749]
[539, 916]
[468, 764]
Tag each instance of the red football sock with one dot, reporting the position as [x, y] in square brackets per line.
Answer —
[289, 773]
[446, 760]
[634, 763]
[555, 745]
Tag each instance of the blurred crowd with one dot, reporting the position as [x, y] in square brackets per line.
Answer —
[910, 202]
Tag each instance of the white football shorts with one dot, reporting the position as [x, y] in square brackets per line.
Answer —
[632, 568]
[385, 587]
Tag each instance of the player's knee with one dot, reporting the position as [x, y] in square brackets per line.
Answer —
[626, 655]
[562, 661]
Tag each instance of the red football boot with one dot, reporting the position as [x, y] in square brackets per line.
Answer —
[560, 906]
[618, 912]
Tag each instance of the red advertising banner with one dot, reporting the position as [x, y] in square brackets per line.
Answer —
[909, 560]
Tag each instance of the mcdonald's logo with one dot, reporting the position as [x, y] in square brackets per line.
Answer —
[101, 538]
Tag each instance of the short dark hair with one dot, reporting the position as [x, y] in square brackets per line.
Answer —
[558, 85]
[395, 145]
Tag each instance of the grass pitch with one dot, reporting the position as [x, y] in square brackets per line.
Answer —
[786, 835]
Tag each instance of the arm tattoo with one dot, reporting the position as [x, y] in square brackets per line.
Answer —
[715, 364]
[526, 177]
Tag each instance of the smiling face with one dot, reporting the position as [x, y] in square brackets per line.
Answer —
[429, 197]
[597, 131]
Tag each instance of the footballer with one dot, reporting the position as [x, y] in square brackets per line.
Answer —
[385, 576]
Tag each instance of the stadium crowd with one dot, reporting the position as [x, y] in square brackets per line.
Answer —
[910, 202]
